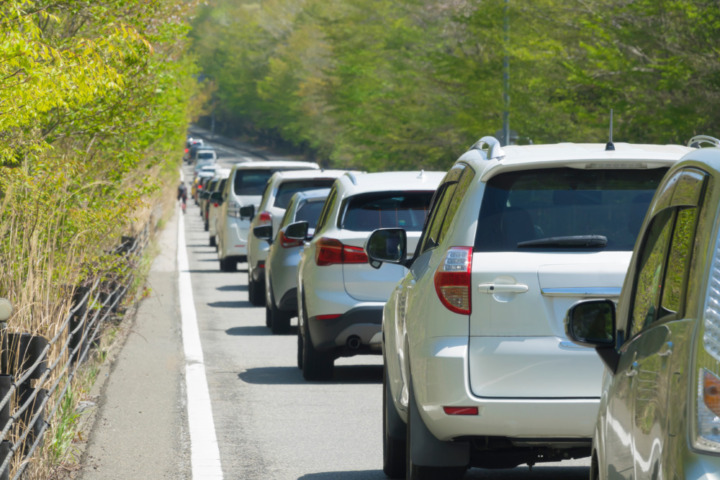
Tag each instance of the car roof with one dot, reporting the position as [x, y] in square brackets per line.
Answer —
[576, 155]
[269, 164]
[312, 194]
[282, 175]
[390, 181]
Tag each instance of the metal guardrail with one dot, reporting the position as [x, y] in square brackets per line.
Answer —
[24, 369]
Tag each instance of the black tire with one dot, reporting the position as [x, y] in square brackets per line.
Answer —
[414, 471]
[228, 265]
[206, 226]
[316, 366]
[594, 468]
[299, 350]
[256, 292]
[213, 243]
[279, 319]
[394, 448]
[268, 317]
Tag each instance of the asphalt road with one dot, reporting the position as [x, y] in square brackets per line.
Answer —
[269, 422]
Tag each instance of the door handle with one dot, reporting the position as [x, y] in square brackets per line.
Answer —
[633, 370]
[493, 288]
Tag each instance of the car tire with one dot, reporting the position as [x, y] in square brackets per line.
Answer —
[280, 320]
[394, 448]
[299, 350]
[206, 226]
[255, 292]
[213, 243]
[413, 471]
[228, 265]
[316, 365]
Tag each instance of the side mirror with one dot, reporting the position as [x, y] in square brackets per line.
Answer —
[216, 197]
[248, 211]
[297, 231]
[591, 323]
[263, 232]
[386, 245]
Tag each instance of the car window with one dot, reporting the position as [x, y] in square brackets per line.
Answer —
[251, 182]
[369, 211]
[445, 205]
[678, 261]
[309, 212]
[557, 208]
[328, 207]
[289, 188]
[650, 271]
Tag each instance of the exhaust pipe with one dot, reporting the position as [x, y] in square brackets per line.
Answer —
[353, 342]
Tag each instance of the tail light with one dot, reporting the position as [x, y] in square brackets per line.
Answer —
[452, 280]
[264, 218]
[330, 251]
[286, 242]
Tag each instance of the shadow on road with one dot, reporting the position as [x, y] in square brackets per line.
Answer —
[235, 304]
[250, 330]
[360, 475]
[293, 376]
[232, 288]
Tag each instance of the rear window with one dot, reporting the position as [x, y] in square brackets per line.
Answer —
[289, 188]
[251, 182]
[309, 212]
[565, 208]
[205, 155]
[368, 212]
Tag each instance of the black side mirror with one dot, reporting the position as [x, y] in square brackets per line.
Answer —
[591, 323]
[263, 232]
[297, 231]
[216, 197]
[386, 245]
[248, 211]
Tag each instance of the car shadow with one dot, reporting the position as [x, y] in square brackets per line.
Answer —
[356, 475]
[357, 374]
[234, 304]
[250, 330]
[232, 288]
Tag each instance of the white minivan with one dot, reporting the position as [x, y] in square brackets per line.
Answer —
[245, 186]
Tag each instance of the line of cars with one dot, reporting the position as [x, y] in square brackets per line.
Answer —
[483, 286]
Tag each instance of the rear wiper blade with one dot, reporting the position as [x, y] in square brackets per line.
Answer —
[574, 241]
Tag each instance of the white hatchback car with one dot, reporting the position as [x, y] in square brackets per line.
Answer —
[276, 196]
[215, 202]
[244, 186]
[340, 297]
[478, 369]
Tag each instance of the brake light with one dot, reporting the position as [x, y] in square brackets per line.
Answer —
[461, 410]
[452, 280]
[286, 242]
[264, 218]
[330, 251]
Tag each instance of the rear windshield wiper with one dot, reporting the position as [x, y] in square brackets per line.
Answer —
[573, 241]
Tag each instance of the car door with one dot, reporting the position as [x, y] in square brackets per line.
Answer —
[637, 414]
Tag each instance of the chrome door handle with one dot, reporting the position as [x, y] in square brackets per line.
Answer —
[492, 288]
[633, 370]
[668, 351]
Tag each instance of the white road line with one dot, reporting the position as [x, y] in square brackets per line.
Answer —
[205, 454]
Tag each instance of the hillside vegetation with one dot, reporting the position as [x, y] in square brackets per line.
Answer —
[397, 84]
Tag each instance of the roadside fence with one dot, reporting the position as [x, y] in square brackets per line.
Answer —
[35, 371]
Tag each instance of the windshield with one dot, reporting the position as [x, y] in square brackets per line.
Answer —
[368, 212]
[565, 208]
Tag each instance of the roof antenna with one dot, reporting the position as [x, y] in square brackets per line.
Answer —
[610, 146]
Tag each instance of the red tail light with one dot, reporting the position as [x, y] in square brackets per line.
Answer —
[264, 218]
[452, 280]
[330, 252]
[286, 242]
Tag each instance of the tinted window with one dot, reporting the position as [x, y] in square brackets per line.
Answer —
[328, 207]
[309, 212]
[205, 155]
[289, 188]
[368, 212]
[251, 182]
[545, 208]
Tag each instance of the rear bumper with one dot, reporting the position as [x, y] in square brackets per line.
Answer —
[440, 372]
[363, 322]
[235, 238]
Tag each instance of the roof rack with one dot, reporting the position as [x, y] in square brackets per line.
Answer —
[698, 140]
[493, 146]
[352, 177]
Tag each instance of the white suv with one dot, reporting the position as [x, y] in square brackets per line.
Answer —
[278, 192]
[244, 187]
[340, 297]
[478, 369]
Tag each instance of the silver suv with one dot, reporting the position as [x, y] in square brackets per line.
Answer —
[340, 297]
[276, 196]
[478, 370]
[660, 405]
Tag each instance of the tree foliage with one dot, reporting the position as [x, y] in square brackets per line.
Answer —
[383, 84]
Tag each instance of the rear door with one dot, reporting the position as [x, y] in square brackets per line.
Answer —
[547, 239]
